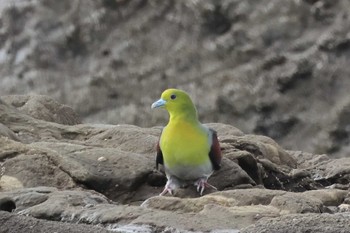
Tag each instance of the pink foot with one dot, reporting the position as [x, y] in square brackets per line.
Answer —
[202, 184]
[165, 191]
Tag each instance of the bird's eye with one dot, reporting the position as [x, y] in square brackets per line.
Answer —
[173, 97]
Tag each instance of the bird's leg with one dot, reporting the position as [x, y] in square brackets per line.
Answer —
[170, 185]
[201, 184]
[166, 190]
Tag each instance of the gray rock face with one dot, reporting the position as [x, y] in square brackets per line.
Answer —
[267, 67]
[104, 176]
[282, 72]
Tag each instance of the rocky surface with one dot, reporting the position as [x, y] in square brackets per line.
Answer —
[20, 224]
[66, 177]
[270, 67]
[77, 137]
[332, 223]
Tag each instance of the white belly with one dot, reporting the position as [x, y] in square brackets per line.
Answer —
[190, 173]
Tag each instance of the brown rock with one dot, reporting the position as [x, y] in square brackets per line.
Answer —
[31, 167]
[13, 223]
[43, 108]
[323, 223]
[297, 203]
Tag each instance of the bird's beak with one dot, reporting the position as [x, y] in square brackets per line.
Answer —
[158, 103]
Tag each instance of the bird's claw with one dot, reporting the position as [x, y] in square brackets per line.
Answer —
[202, 184]
[165, 191]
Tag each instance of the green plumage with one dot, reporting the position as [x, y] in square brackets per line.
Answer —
[185, 144]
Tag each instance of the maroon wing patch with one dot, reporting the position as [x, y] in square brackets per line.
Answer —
[159, 156]
[215, 151]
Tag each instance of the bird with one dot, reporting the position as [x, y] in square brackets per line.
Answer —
[188, 150]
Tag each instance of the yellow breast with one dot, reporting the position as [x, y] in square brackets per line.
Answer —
[184, 144]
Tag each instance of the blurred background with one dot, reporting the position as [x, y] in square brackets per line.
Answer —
[270, 67]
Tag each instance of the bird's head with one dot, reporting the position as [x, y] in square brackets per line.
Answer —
[177, 102]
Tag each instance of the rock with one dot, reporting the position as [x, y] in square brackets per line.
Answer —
[314, 201]
[43, 108]
[71, 154]
[65, 165]
[211, 218]
[232, 209]
[308, 160]
[225, 130]
[246, 197]
[248, 163]
[188, 205]
[261, 148]
[8, 183]
[124, 172]
[13, 223]
[294, 203]
[344, 208]
[263, 91]
[347, 199]
[105, 175]
[281, 72]
[230, 175]
[337, 170]
[330, 197]
[6, 132]
[274, 61]
[328, 172]
[323, 223]
[77, 206]
[31, 167]
[56, 205]
[266, 162]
